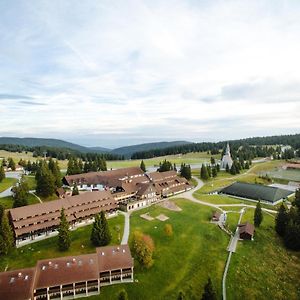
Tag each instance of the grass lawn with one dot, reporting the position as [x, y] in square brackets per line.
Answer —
[7, 202]
[182, 262]
[30, 179]
[6, 183]
[263, 268]
[27, 256]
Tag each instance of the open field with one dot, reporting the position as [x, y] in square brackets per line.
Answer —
[6, 183]
[293, 175]
[182, 262]
[7, 202]
[30, 181]
[27, 256]
[263, 268]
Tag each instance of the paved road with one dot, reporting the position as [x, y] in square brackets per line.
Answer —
[233, 241]
[126, 228]
[16, 175]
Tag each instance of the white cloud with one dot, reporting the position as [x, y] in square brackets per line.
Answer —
[150, 70]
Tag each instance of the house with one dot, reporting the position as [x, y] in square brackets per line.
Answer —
[69, 277]
[246, 231]
[216, 216]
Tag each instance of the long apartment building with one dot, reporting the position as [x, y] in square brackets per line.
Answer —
[35, 220]
[69, 277]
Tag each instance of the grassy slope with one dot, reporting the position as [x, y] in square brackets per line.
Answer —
[30, 179]
[7, 202]
[6, 183]
[182, 262]
[264, 269]
[189, 158]
[27, 256]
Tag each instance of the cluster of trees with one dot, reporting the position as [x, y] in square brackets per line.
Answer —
[20, 193]
[143, 166]
[237, 166]
[48, 177]
[185, 171]
[59, 153]
[2, 173]
[6, 234]
[9, 163]
[78, 166]
[166, 166]
[208, 171]
[258, 215]
[243, 148]
[100, 235]
[287, 224]
[143, 248]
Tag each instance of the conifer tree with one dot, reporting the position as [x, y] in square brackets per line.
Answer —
[233, 170]
[292, 235]
[227, 168]
[100, 235]
[20, 193]
[258, 216]
[2, 173]
[75, 190]
[64, 239]
[209, 292]
[54, 168]
[212, 161]
[203, 172]
[142, 166]
[45, 181]
[11, 164]
[6, 235]
[281, 220]
[214, 172]
[180, 296]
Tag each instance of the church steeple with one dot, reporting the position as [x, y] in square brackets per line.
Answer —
[227, 151]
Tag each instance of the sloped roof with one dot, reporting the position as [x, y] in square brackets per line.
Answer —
[246, 228]
[256, 191]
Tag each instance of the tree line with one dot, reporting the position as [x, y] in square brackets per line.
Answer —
[248, 148]
[78, 166]
[287, 223]
[59, 153]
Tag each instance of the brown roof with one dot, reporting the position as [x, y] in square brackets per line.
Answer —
[46, 215]
[17, 285]
[103, 177]
[114, 257]
[60, 192]
[162, 176]
[65, 270]
[216, 215]
[144, 188]
[246, 228]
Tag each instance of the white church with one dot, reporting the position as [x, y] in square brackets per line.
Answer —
[226, 159]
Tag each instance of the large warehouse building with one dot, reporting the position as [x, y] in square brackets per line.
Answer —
[269, 194]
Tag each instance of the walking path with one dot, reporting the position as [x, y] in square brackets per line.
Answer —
[33, 193]
[126, 228]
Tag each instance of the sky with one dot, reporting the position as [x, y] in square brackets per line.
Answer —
[114, 73]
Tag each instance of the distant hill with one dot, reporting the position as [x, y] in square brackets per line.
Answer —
[35, 142]
[129, 150]
[99, 149]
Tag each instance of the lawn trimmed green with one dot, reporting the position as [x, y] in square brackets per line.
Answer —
[196, 250]
[30, 179]
[7, 183]
[263, 268]
[7, 202]
[27, 256]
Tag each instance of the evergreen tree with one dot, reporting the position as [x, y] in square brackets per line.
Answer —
[209, 292]
[123, 295]
[292, 235]
[212, 161]
[45, 181]
[75, 190]
[227, 168]
[100, 235]
[174, 167]
[297, 199]
[233, 170]
[64, 239]
[218, 167]
[258, 216]
[281, 220]
[185, 171]
[6, 235]
[54, 168]
[20, 193]
[209, 171]
[143, 166]
[70, 169]
[2, 173]
[214, 172]
[11, 164]
[165, 166]
[247, 165]
[203, 172]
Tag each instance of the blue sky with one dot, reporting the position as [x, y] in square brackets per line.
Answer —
[112, 73]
